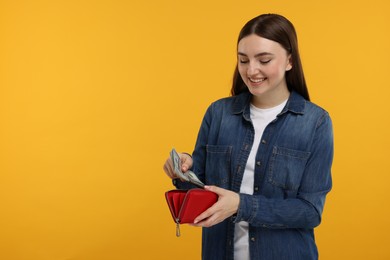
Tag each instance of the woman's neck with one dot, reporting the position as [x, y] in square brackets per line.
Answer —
[268, 100]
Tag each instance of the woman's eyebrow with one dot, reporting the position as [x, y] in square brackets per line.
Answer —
[257, 55]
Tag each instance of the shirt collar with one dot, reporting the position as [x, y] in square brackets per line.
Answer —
[295, 104]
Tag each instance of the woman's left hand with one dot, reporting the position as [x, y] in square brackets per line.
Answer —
[226, 206]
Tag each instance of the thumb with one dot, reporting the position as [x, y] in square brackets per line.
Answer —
[186, 162]
[184, 167]
[217, 190]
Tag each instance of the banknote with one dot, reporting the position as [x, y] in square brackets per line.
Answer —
[187, 176]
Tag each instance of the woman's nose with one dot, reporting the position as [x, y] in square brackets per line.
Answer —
[253, 68]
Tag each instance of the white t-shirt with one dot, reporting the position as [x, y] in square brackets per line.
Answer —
[260, 119]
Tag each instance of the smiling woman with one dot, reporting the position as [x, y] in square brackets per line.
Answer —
[271, 38]
[262, 66]
[272, 148]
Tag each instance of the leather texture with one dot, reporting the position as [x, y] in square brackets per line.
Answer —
[186, 205]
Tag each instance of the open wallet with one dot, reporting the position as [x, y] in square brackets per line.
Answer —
[186, 205]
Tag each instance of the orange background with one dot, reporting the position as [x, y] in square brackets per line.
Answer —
[93, 95]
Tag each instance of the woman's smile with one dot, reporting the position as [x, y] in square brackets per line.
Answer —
[256, 80]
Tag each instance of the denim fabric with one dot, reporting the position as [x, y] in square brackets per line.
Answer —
[292, 176]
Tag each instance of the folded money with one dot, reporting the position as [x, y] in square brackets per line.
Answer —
[187, 176]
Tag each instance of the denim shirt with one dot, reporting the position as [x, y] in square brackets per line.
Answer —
[292, 176]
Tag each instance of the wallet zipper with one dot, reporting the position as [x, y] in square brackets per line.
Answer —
[177, 227]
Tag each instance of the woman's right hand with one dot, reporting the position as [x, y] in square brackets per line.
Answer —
[186, 164]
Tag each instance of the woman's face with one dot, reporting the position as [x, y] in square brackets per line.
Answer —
[262, 64]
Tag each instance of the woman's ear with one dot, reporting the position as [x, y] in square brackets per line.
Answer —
[289, 65]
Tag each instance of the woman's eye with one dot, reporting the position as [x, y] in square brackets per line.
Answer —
[243, 61]
[264, 61]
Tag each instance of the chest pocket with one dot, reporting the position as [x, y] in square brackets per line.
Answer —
[286, 167]
[218, 165]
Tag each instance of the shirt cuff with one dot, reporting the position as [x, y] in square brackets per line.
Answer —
[247, 208]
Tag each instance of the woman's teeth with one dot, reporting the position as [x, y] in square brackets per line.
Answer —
[257, 80]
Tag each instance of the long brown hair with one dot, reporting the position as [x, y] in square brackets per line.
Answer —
[276, 28]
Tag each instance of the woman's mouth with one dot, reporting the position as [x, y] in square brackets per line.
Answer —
[257, 80]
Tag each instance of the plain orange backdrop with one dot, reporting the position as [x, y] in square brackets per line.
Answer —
[94, 94]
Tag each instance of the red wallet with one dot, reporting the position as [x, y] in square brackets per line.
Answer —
[186, 205]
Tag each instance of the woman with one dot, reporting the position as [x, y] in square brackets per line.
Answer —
[266, 151]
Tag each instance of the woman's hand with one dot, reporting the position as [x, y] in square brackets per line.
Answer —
[226, 206]
[186, 163]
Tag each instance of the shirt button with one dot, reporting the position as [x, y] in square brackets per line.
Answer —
[253, 239]
[263, 141]
[258, 163]
[256, 188]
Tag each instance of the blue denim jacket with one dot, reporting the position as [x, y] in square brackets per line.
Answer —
[292, 176]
